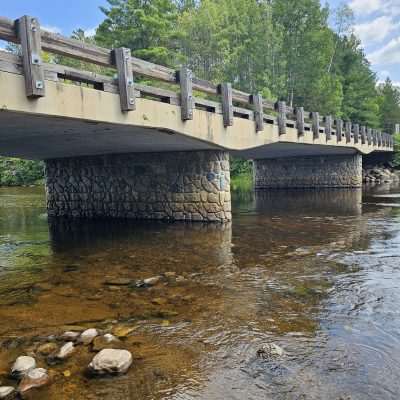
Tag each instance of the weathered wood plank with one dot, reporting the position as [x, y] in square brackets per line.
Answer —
[356, 128]
[31, 47]
[300, 120]
[227, 105]
[348, 131]
[258, 111]
[339, 129]
[187, 101]
[369, 136]
[126, 86]
[281, 108]
[363, 134]
[315, 124]
[328, 127]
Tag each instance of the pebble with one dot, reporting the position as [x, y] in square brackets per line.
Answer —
[70, 336]
[33, 379]
[47, 349]
[111, 361]
[152, 281]
[22, 366]
[65, 351]
[7, 393]
[88, 336]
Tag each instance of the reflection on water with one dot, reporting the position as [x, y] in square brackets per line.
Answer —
[314, 272]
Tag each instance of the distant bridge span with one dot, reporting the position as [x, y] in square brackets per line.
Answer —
[164, 151]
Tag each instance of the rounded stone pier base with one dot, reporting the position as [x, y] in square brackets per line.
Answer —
[189, 186]
[334, 171]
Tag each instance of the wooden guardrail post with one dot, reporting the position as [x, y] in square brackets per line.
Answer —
[187, 100]
[122, 59]
[363, 134]
[257, 101]
[339, 129]
[356, 133]
[281, 108]
[380, 139]
[227, 105]
[328, 127]
[315, 124]
[348, 131]
[374, 138]
[28, 29]
[369, 136]
[300, 120]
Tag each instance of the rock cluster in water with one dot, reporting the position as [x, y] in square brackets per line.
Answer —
[380, 174]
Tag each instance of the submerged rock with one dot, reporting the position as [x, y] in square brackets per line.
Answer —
[88, 336]
[7, 393]
[33, 379]
[47, 348]
[22, 366]
[65, 351]
[118, 281]
[149, 281]
[106, 341]
[270, 350]
[111, 361]
[70, 336]
[122, 331]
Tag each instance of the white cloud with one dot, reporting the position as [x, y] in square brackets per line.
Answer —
[388, 54]
[366, 7]
[375, 30]
[90, 32]
[53, 29]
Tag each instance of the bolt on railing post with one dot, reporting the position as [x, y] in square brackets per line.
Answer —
[122, 60]
[28, 29]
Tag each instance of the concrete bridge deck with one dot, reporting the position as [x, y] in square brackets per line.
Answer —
[80, 121]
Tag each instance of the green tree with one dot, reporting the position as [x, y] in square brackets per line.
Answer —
[389, 106]
[145, 26]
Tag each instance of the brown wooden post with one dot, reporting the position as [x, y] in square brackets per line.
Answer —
[363, 134]
[369, 136]
[328, 127]
[339, 129]
[348, 131]
[187, 100]
[356, 133]
[315, 124]
[281, 108]
[29, 35]
[380, 139]
[300, 120]
[374, 137]
[227, 105]
[257, 101]
[122, 59]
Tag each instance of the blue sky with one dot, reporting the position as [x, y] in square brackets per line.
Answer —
[377, 23]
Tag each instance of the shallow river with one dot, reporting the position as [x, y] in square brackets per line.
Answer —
[316, 273]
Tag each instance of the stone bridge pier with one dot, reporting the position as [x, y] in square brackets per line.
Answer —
[188, 186]
[310, 172]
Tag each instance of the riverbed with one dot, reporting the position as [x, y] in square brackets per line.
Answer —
[316, 273]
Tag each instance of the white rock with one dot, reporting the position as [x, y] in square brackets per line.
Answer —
[22, 366]
[88, 336]
[7, 392]
[110, 338]
[270, 350]
[111, 361]
[33, 379]
[66, 351]
[70, 335]
[152, 281]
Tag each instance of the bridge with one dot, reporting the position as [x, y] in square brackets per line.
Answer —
[114, 147]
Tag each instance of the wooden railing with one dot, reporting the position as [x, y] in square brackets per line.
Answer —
[233, 103]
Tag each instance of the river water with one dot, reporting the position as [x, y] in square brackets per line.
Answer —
[316, 273]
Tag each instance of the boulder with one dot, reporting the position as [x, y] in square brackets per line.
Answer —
[88, 336]
[111, 361]
[270, 350]
[35, 378]
[22, 366]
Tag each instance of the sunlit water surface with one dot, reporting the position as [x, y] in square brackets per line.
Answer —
[317, 273]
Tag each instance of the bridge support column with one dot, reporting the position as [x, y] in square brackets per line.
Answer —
[190, 186]
[340, 171]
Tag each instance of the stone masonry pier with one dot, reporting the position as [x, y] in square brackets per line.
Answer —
[334, 171]
[190, 186]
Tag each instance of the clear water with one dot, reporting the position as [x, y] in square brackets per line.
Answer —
[317, 273]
